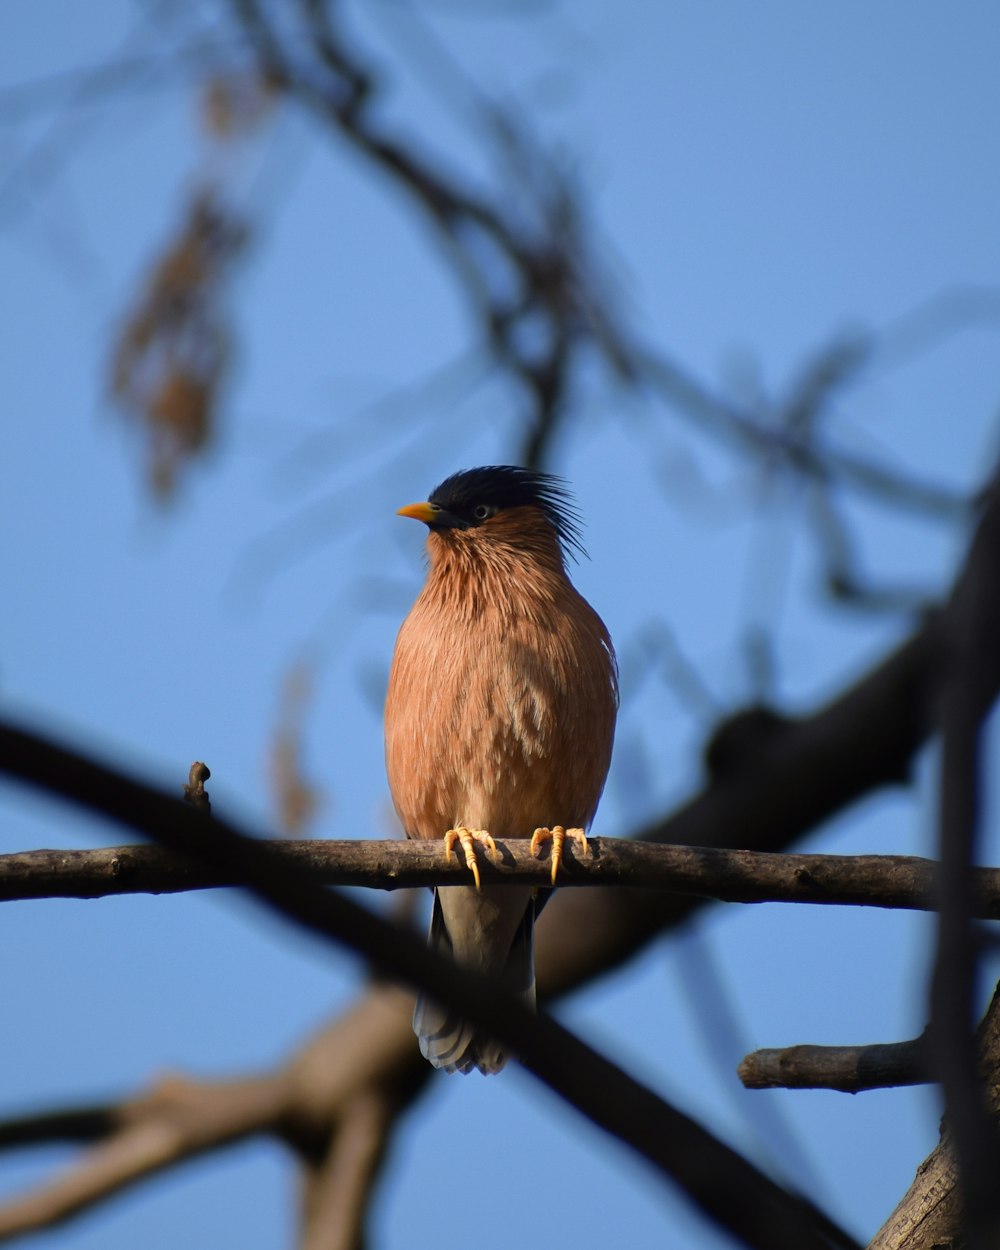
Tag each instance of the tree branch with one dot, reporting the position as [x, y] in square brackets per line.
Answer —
[970, 672]
[850, 1069]
[80, 1124]
[888, 881]
[929, 1216]
[367, 1053]
[179, 1119]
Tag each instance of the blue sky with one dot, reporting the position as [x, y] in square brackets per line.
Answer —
[762, 179]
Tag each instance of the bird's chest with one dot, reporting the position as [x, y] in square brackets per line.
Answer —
[476, 722]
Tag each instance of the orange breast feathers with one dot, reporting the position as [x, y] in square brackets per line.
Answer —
[503, 693]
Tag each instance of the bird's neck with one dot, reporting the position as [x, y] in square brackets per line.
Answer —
[470, 577]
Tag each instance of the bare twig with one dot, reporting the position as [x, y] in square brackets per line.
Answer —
[194, 789]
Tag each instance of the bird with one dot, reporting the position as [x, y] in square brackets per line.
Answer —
[499, 720]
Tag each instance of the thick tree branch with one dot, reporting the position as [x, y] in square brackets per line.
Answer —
[889, 881]
[929, 1216]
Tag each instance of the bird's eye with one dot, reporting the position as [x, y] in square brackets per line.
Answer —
[482, 511]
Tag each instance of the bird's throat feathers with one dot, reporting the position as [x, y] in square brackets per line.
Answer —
[512, 559]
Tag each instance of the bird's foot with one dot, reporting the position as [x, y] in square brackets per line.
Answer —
[557, 835]
[467, 839]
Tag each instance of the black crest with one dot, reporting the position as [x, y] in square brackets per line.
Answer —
[474, 495]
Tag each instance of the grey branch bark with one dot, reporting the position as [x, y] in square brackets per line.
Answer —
[888, 881]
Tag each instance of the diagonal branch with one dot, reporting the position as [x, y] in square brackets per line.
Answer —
[368, 1053]
[179, 1119]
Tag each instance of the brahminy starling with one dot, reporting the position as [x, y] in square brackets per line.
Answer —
[499, 720]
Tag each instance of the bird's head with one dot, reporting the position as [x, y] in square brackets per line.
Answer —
[502, 505]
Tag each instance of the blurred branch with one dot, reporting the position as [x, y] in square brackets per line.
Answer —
[889, 881]
[315, 1102]
[79, 1124]
[526, 260]
[338, 1187]
[850, 1069]
[799, 448]
[296, 798]
[971, 670]
[952, 310]
[78, 88]
[531, 288]
[178, 1119]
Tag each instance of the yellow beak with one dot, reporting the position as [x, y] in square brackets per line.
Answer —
[425, 512]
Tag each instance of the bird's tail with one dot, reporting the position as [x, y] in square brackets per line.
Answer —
[451, 1043]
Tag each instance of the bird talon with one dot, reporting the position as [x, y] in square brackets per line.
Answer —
[467, 839]
[557, 835]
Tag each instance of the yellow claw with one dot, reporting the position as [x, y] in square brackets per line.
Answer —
[467, 839]
[557, 835]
